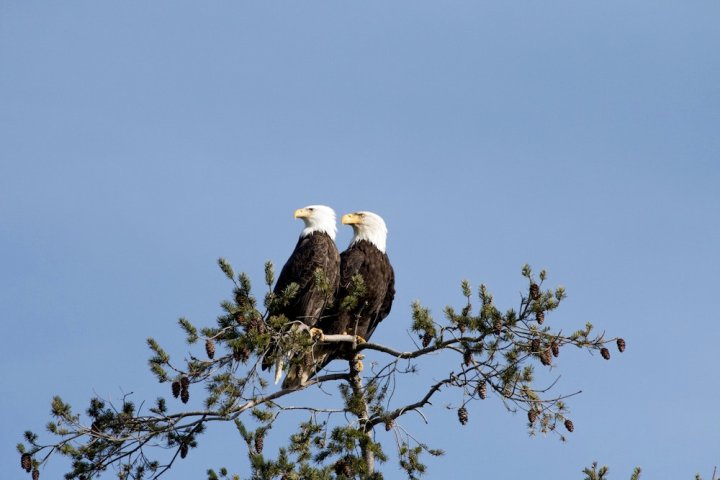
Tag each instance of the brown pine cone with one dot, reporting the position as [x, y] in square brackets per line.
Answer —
[389, 424]
[342, 467]
[534, 291]
[540, 317]
[535, 345]
[184, 382]
[462, 415]
[545, 357]
[242, 354]
[258, 324]
[605, 353]
[210, 348]
[532, 415]
[467, 357]
[26, 462]
[555, 349]
[497, 327]
[185, 395]
[569, 425]
[176, 389]
[426, 339]
[482, 390]
[259, 442]
[621, 345]
[35, 474]
[184, 450]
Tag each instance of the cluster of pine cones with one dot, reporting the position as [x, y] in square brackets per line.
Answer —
[181, 389]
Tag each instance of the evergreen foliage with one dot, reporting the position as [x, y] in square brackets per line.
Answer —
[595, 473]
[494, 352]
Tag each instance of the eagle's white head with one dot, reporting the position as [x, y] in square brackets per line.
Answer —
[317, 218]
[367, 226]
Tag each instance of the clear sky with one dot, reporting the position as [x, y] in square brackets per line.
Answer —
[139, 141]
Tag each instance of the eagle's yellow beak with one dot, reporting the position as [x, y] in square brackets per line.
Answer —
[302, 213]
[351, 218]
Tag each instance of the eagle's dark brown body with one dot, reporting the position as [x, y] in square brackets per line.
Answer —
[362, 258]
[313, 251]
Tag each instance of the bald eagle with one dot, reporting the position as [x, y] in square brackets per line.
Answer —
[365, 257]
[314, 250]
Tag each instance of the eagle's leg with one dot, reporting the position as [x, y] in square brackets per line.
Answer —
[317, 334]
[359, 339]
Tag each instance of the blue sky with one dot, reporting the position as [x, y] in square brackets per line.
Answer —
[139, 141]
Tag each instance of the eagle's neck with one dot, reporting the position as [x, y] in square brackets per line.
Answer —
[375, 236]
[328, 228]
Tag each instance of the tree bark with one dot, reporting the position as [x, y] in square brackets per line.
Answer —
[364, 415]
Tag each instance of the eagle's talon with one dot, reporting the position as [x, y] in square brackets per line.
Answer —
[359, 339]
[317, 334]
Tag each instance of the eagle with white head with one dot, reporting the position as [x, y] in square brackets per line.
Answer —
[314, 250]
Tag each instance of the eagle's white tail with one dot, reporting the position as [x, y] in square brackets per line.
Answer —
[279, 364]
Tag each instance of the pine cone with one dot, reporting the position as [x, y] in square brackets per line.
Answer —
[258, 324]
[605, 353]
[534, 291]
[467, 357]
[342, 467]
[185, 395]
[535, 345]
[176, 389]
[497, 327]
[621, 345]
[26, 462]
[540, 317]
[462, 415]
[184, 450]
[532, 415]
[482, 390]
[241, 355]
[569, 425]
[35, 474]
[545, 357]
[184, 382]
[259, 442]
[210, 348]
[389, 424]
[426, 339]
[555, 349]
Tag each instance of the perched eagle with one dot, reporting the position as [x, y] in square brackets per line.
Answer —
[365, 257]
[315, 249]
